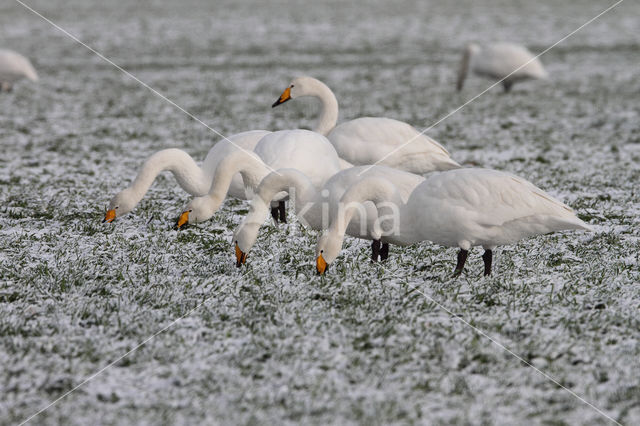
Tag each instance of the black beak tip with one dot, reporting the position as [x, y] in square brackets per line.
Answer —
[276, 103]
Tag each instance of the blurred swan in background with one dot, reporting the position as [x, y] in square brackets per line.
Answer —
[371, 140]
[13, 67]
[499, 60]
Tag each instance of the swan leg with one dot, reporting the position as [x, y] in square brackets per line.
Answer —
[462, 258]
[274, 213]
[375, 250]
[282, 210]
[5, 87]
[507, 84]
[384, 252]
[487, 257]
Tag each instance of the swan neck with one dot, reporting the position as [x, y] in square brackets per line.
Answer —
[329, 113]
[247, 163]
[186, 171]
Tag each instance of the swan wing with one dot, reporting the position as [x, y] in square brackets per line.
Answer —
[389, 142]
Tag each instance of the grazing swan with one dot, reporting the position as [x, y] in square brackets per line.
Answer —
[314, 207]
[459, 208]
[13, 67]
[307, 151]
[497, 61]
[193, 179]
[371, 140]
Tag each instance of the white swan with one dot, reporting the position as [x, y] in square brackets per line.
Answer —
[307, 151]
[371, 140]
[13, 67]
[193, 179]
[459, 208]
[497, 61]
[315, 206]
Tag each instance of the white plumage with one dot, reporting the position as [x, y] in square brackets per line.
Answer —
[13, 67]
[315, 206]
[371, 140]
[459, 208]
[193, 179]
[500, 61]
[306, 151]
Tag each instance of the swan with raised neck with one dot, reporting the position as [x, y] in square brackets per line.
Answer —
[371, 140]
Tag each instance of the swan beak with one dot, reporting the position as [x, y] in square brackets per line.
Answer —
[182, 220]
[321, 265]
[241, 257]
[286, 95]
[109, 216]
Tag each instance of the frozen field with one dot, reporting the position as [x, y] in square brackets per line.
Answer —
[274, 343]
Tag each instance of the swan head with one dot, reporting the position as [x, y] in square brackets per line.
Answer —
[121, 204]
[327, 250]
[198, 210]
[301, 86]
[244, 238]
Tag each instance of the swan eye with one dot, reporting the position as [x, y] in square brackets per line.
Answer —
[292, 86]
[190, 210]
[117, 207]
[321, 251]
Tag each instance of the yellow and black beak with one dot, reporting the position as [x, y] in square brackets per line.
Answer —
[182, 220]
[321, 265]
[109, 216]
[286, 95]
[241, 257]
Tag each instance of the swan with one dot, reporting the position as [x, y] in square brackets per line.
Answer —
[307, 151]
[371, 140]
[13, 67]
[314, 206]
[193, 179]
[458, 208]
[499, 60]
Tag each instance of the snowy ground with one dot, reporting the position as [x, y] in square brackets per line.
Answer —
[274, 342]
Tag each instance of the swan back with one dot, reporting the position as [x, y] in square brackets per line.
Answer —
[389, 142]
[304, 150]
[468, 207]
[14, 66]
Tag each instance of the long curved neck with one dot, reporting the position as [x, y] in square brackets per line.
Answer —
[282, 180]
[329, 113]
[247, 163]
[186, 171]
[380, 191]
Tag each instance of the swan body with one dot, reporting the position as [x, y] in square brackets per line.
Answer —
[13, 67]
[498, 61]
[306, 151]
[462, 208]
[314, 206]
[371, 140]
[193, 179]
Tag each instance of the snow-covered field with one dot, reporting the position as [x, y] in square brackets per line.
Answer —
[273, 342]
